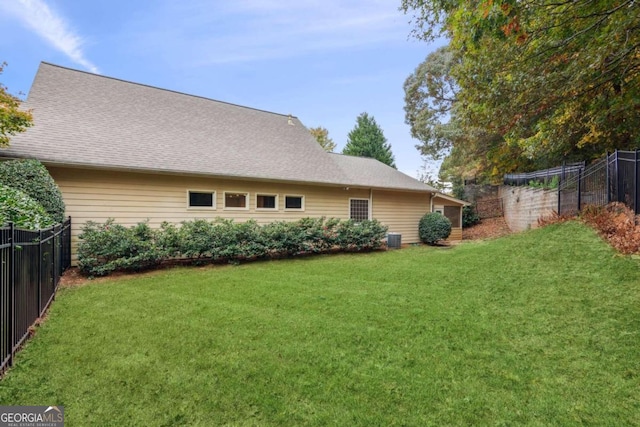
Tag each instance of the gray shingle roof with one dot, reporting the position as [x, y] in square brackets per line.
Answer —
[84, 119]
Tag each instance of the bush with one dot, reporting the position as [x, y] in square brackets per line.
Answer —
[22, 210]
[32, 178]
[109, 246]
[434, 227]
[469, 216]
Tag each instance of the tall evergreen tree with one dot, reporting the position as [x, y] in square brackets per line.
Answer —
[367, 140]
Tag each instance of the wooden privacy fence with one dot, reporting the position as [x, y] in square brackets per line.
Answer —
[31, 263]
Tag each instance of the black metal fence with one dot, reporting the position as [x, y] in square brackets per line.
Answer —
[545, 176]
[31, 263]
[611, 179]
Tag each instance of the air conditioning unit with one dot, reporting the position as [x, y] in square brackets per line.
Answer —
[394, 240]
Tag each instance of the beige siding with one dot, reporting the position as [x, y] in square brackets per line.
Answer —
[133, 197]
[401, 211]
[456, 235]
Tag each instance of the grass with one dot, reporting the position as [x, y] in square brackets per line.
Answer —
[540, 328]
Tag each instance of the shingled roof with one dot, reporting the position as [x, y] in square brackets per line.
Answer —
[87, 120]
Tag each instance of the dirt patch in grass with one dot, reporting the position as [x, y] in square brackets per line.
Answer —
[489, 228]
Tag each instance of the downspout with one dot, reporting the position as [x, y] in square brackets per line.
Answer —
[371, 203]
[431, 200]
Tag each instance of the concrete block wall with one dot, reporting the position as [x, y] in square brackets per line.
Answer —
[523, 206]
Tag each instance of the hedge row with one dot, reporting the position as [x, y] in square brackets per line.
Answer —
[108, 247]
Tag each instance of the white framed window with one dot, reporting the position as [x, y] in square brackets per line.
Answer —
[236, 200]
[359, 209]
[293, 202]
[201, 199]
[267, 202]
[439, 209]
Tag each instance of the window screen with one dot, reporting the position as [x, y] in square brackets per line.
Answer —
[453, 213]
[265, 201]
[359, 209]
[235, 200]
[199, 199]
[293, 202]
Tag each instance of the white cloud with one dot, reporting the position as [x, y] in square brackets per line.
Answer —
[38, 16]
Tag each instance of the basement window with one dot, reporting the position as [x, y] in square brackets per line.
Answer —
[202, 199]
[359, 209]
[294, 203]
[267, 202]
[233, 200]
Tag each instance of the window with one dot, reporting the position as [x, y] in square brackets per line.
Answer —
[453, 213]
[359, 209]
[294, 203]
[202, 199]
[236, 200]
[267, 201]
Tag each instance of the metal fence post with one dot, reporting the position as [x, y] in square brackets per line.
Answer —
[635, 183]
[39, 271]
[607, 177]
[12, 292]
[579, 189]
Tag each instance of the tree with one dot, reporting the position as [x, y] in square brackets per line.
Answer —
[322, 136]
[539, 81]
[366, 139]
[12, 119]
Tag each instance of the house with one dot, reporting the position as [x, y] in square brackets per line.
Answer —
[135, 152]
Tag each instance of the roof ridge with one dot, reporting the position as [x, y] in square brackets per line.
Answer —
[168, 90]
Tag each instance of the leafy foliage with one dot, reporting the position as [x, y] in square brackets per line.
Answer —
[617, 224]
[322, 136]
[12, 119]
[22, 210]
[366, 139]
[470, 216]
[434, 227]
[108, 247]
[31, 177]
[533, 83]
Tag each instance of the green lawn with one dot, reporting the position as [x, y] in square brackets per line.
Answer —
[541, 328]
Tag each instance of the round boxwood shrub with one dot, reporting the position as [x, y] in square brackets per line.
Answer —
[33, 179]
[22, 210]
[434, 227]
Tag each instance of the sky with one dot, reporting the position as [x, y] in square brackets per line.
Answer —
[322, 61]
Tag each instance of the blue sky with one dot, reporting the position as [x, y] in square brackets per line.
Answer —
[322, 61]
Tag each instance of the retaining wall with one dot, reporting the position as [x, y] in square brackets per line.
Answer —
[523, 206]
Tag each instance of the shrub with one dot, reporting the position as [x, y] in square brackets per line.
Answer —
[434, 227]
[108, 247]
[32, 178]
[22, 210]
[469, 216]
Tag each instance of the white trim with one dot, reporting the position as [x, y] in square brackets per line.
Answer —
[368, 206]
[201, 208]
[439, 209]
[232, 208]
[303, 201]
[267, 209]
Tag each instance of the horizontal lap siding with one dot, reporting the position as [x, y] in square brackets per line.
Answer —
[133, 197]
[401, 212]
